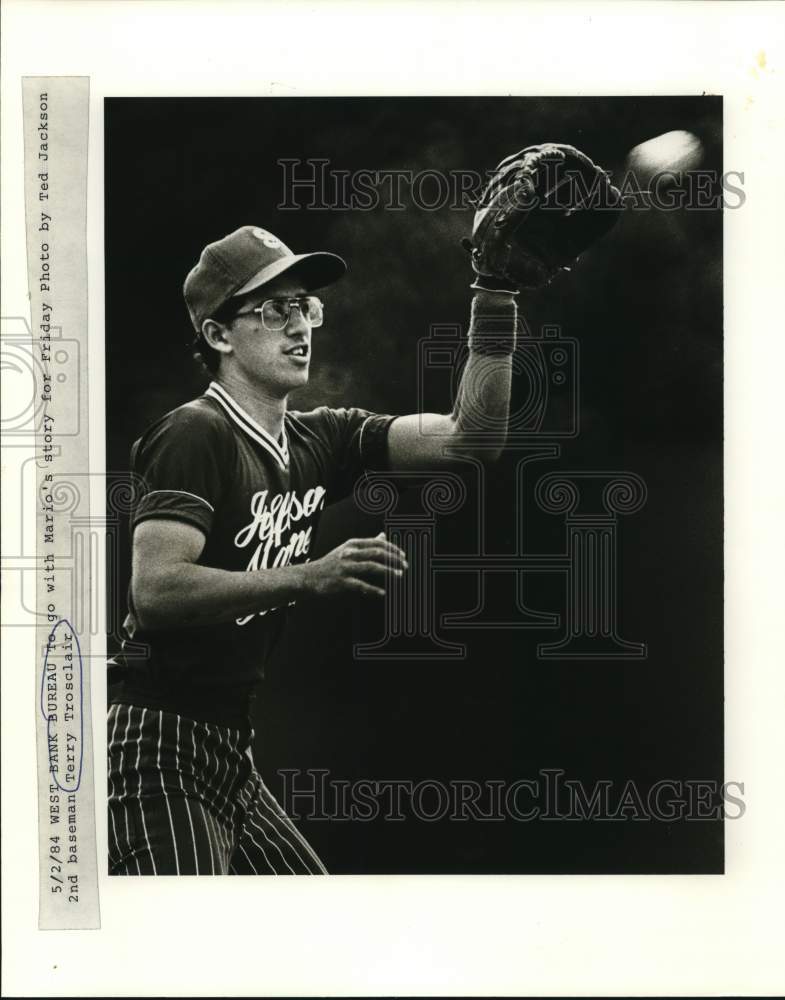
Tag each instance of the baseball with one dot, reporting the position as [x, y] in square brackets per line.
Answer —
[673, 151]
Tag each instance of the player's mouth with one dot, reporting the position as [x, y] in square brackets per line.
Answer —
[298, 353]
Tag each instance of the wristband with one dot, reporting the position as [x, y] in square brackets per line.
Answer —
[487, 283]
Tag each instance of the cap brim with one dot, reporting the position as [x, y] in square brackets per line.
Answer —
[315, 270]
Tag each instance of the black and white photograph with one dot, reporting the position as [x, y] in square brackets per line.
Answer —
[391, 494]
[417, 407]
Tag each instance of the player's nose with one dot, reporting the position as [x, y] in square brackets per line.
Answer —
[297, 324]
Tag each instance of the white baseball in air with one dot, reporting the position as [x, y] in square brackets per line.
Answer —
[675, 151]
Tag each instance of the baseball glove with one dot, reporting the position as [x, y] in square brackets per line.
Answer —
[541, 210]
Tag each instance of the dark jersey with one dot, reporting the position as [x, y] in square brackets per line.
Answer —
[258, 502]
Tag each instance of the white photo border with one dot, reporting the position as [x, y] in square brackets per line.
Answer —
[516, 935]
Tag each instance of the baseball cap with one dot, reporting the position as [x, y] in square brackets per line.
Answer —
[247, 259]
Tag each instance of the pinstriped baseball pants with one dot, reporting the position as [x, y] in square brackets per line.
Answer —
[186, 799]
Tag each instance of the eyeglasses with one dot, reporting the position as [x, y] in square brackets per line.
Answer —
[275, 313]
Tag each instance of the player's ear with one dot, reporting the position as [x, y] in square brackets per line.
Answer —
[214, 334]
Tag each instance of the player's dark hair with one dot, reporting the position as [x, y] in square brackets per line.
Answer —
[205, 354]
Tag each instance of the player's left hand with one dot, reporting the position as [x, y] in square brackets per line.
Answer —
[359, 565]
[543, 207]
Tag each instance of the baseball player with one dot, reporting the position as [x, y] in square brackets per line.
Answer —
[234, 486]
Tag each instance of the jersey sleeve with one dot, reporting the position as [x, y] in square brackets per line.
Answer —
[354, 442]
[182, 464]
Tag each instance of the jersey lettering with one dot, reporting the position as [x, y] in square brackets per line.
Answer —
[269, 525]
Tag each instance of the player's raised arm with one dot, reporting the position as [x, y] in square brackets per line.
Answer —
[478, 422]
[543, 207]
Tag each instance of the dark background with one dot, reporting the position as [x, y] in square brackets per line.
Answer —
[646, 307]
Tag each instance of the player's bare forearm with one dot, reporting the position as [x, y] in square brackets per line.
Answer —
[183, 594]
[172, 590]
[478, 422]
